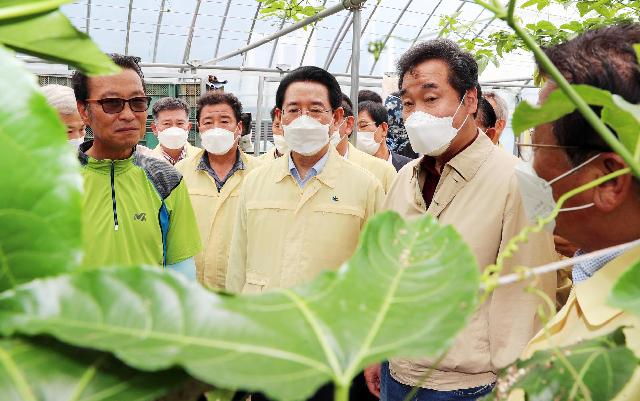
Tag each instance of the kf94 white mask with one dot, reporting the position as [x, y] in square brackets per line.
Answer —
[306, 135]
[366, 142]
[173, 137]
[75, 142]
[281, 144]
[537, 195]
[431, 135]
[335, 137]
[218, 141]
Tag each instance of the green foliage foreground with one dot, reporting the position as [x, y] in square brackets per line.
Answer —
[113, 334]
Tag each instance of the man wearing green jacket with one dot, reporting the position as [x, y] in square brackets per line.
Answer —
[136, 209]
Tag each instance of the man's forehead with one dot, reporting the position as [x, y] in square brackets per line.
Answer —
[217, 109]
[312, 92]
[428, 73]
[126, 84]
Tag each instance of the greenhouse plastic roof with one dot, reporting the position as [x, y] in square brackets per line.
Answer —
[179, 31]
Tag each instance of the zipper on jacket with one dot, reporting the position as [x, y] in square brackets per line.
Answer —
[113, 196]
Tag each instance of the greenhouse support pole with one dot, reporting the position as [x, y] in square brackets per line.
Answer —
[258, 131]
[344, 4]
[355, 69]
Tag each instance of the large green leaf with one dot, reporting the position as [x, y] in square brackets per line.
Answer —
[45, 370]
[407, 291]
[605, 365]
[626, 292]
[21, 8]
[41, 183]
[60, 42]
[616, 113]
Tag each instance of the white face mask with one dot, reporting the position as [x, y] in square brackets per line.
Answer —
[173, 137]
[306, 135]
[537, 195]
[75, 142]
[281, 144]
[366, 142]
[431, 135]
[218, 141]
[335, 137]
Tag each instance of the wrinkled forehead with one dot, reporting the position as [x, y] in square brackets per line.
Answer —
[430, 74]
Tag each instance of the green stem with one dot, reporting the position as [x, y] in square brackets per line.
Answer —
[341, 393]
[581, 105]
[510, 10]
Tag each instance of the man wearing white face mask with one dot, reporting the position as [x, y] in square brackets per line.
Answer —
[467, 182]
[280, 145]
[63, 100]
[383, 171]
[214, 176]
[302, 213]
[568, 153]
[171, 125]
[372, 134]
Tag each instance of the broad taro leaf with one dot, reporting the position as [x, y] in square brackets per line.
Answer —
[409, 288]
[626, 292]
[616, 113]
[45, 370]
[604, 363]
[41, 183]
[51, 36]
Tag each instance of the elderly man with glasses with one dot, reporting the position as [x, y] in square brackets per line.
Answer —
[136, 209]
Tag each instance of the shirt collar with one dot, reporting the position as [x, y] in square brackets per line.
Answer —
[327, 175]
[317, 168]
[206, 166]
[583, 270]
[592, 294]
[170, 159]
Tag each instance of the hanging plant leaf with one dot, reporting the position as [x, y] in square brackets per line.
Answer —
[416, 278]
[605, 365]
[40, 203]
[46, 370]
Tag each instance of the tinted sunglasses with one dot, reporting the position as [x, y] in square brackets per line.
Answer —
[114, 105]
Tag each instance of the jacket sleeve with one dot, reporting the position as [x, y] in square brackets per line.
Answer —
[376, 197]
[513, 318]
[183, 237]
[237, 269]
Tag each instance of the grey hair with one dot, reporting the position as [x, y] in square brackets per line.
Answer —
[502, 110]
[61, 98]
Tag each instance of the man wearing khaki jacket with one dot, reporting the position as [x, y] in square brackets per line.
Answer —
[463, 181]
[214, 176]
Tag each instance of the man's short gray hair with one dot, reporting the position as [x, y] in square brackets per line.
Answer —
[61, 98]
[169, 103]
[502, 110]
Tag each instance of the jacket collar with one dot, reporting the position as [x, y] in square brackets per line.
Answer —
[105, 165]
[327, 176]
[593, 293]
[468, 162]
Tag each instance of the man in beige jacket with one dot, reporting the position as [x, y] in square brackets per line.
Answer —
[465, 181]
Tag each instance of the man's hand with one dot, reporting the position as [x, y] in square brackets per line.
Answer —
[372, 377]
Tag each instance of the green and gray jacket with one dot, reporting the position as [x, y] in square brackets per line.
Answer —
[135, 211]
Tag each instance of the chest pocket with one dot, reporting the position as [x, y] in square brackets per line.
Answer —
[334, 231]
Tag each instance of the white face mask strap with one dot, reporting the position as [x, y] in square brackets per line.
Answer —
[573, 170]
[571, 209]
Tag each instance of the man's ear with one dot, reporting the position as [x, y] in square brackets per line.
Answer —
[83, 109]
[471, 101]
[493, 135]
[611, 194]
[189, 125]
[154, 128]
[385, 129]
[240, 129]
[348, 125]
[338, 114]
